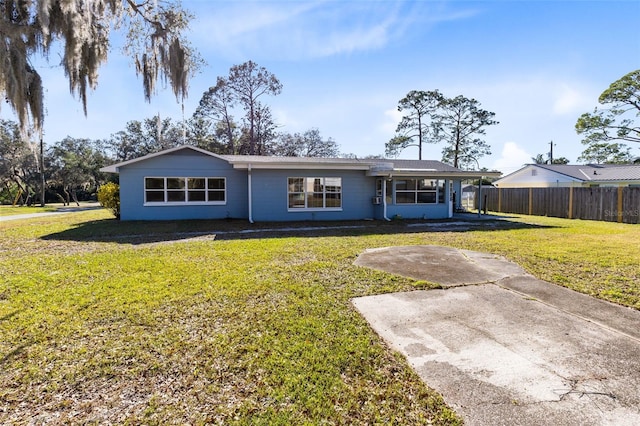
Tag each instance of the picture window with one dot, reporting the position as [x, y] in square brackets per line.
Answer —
[184, 190]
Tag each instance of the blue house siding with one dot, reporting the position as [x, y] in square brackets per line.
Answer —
[270, 199]
[187, 164]
[270, 196]
[418, 211]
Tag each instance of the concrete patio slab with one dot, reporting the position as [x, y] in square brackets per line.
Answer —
[505, 348]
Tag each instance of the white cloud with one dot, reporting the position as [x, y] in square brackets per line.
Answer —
[238, 19]
[392, 118]
[571, 100]
[363, 38]
[285, 120]
[511, 158]
[312, 29]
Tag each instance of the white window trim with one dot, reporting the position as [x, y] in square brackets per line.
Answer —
[186, 188]
[324, 198]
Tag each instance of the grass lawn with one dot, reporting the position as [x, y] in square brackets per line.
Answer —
[161, 323]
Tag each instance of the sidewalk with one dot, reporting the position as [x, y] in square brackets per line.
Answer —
[60, 210]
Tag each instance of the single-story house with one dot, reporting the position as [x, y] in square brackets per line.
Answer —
[191, 183]
[565, 175]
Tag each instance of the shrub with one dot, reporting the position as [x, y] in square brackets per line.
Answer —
[109, 198]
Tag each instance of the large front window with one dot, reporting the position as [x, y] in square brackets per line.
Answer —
[314, 193]
[179, 190]
[419, 191]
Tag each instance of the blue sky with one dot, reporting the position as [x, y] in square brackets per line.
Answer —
[345, 64]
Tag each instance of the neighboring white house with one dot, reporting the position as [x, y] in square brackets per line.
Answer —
[565, 175]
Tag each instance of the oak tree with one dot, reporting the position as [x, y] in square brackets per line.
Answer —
[307, 144]
[19, 166]
[140, 138]
[82, 29]
[74, 165]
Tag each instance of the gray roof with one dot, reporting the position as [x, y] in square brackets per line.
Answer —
[396, 164]
[596, 172]
[422, 164]
[317, 160]
[374, 166]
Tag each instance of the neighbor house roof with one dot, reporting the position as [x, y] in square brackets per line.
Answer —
[587, 173]
[373, 167]
[596, 172]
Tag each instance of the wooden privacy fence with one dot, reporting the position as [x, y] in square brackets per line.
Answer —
[620, 204]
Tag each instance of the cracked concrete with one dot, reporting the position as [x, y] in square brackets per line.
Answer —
[505, 348]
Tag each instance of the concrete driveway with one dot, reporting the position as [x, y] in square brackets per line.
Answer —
[504, 348]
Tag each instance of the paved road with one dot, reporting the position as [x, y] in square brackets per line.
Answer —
[504, 348]
[61, 210]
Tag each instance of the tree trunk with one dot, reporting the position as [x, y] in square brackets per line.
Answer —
[61, 198]
[21, 191]
[67, 196]
[252, 141]
[456, 152]
[231, 144]
[419, 137]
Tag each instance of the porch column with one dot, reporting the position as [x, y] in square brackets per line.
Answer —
[249, 198]
[448, 195]
[384, 199]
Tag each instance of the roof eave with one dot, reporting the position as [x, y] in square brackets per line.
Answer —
[110, 169]
[296, 166]
[614, 181]
[434, 173]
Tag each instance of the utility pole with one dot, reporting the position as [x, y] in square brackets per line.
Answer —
[551, 152]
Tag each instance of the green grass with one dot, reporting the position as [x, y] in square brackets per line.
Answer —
[159, 323]
[16, 210]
